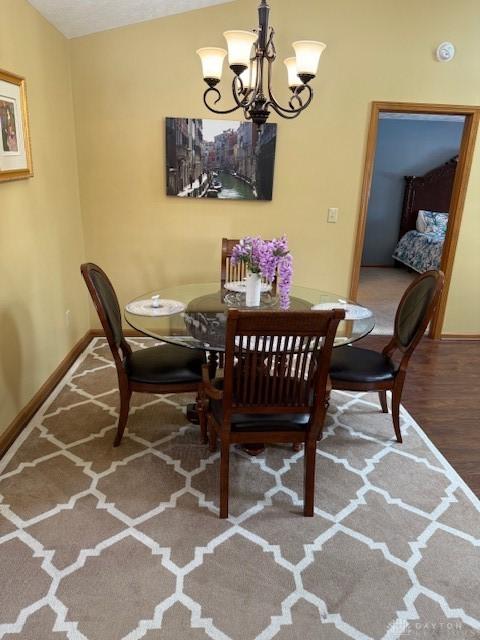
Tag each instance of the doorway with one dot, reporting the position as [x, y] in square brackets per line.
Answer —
[436, 142]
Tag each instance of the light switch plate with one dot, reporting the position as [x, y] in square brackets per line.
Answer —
[332, 214]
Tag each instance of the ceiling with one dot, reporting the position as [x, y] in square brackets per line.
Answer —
[81, 17]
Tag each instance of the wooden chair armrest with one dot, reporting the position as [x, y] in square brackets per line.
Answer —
[211, 391]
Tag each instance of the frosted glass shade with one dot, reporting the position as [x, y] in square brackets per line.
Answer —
[239, 44]
[293, 79]
[308, 54]
[249, 76]
[212, 62]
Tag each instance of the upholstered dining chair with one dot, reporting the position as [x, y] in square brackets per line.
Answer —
[357, 369]
[275, 386]
[161, 369]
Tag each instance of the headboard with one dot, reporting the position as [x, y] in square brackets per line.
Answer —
[431, 192]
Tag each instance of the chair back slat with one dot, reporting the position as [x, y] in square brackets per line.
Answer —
[277, 361]
[416, 308]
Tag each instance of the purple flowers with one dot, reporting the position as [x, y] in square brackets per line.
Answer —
[267, 258]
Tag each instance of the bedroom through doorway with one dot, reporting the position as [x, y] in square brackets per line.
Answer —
[414, 184]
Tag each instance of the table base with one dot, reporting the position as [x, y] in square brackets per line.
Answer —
[192, 413]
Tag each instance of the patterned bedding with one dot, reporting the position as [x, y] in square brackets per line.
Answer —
[420, 251]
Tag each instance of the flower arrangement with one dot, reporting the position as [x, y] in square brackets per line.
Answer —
[266, 258]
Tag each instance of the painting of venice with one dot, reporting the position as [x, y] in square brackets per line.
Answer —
[221, 159]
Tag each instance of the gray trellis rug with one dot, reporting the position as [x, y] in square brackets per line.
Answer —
[101, 544]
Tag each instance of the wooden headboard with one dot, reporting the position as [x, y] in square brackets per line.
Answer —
[431, 192]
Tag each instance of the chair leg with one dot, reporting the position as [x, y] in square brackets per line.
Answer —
[310, 457]
[212, 437]
[383, 401]
[202, 416]
[125, 396]
[396, 398]
[224, 476]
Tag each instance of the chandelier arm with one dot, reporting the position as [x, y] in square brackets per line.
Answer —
[289, 111]
[296, 97]
[288, 115]
[249, 96]
[219, 95]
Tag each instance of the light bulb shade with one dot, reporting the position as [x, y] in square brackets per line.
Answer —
[308, 54]
[293, 79]
[249, 76]
[239, 44]
[212, 62]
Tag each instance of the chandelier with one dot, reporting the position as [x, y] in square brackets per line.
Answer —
[252, 80]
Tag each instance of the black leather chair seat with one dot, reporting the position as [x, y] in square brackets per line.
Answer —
[165, 364]
[361, 365]
[259, 421]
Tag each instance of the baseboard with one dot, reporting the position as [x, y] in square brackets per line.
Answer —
[460, 336]
[8, 437]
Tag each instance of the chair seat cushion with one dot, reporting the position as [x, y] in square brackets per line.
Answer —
[165, 364]
[259, 421]
[361, 365]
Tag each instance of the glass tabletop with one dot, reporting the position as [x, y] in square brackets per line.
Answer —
[199, 321]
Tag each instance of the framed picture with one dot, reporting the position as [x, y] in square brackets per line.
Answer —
[15, 153]
[222, 159]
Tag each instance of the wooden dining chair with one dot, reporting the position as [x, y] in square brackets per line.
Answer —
[275, 386]
[161, 369]
[357, 369]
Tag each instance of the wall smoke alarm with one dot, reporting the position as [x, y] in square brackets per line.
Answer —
[445, 52]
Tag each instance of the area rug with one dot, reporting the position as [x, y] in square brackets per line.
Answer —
[100, 543]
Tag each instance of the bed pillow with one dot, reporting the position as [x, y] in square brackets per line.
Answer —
[432, 222]
[421, 223]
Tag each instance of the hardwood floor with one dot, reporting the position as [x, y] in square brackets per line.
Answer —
[442, 393]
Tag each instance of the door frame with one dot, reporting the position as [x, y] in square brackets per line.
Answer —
[459, 189]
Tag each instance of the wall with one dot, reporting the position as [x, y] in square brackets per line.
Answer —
[41, 236]
[126, 81]
[404, 148]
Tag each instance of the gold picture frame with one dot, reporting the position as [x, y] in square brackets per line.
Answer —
[15, 149]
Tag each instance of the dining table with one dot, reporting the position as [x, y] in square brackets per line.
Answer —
[194, 316]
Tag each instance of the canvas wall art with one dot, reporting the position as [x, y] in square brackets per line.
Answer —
[221, 159]
[15, 155]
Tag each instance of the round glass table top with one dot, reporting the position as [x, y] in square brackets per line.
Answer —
[199, 320]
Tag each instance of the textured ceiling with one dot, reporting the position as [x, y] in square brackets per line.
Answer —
[81, 17]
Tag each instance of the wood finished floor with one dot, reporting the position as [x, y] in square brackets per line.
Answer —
[442, 393]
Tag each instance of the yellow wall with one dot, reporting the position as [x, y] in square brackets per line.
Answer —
[126, 81]
[41, 236]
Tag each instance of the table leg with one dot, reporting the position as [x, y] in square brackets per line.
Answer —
[253, 449]
[192, 410]
[192, 413]
[212, 364]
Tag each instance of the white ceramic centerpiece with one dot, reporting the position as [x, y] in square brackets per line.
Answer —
[253, 287]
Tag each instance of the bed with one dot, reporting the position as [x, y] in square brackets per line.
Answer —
[420, 248]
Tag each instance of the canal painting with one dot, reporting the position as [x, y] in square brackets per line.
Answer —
[221, 159]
